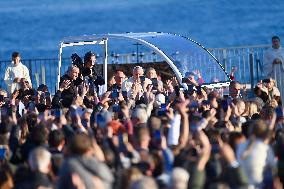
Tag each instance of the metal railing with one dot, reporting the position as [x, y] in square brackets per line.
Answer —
[248, 59]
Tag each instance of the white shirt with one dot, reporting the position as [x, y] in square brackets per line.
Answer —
[258, 157]
[269, 56]
[19, 71]
[127, 86]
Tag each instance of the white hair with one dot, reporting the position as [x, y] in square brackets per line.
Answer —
[144, 183]
[70, 68]
[141, 114]
[137, 67]
[179, 178]
[39, 159]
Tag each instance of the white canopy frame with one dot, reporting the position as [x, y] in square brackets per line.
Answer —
[102, 39]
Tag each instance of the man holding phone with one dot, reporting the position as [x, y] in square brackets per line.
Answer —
[271, 89]
[137, 83]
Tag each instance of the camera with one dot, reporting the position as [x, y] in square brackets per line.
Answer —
[77, 61]
[185, 80]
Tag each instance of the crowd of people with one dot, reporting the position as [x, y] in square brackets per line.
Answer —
[142, 133]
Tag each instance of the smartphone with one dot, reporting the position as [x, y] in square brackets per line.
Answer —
[142, 78]
[3, 153]
[266, 81]
[157, 134]
[177, 90]
[185, 80]
[198, 90]
[163, 106]
[100, 120]
[215, 148]
[86, 80]
[191, 89]
[124, 94]
[162, 111]
[193, 128]
[225, 105]
[116, 108]
[31, 106]
[279, 113]
[47, 94]
[42, 97]
[57, 113]
[154, 82]
[114, 94]
[1, 98]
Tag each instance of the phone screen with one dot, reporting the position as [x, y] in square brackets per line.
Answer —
[164, 106]
[157, 134]
[142, 79]
[279, 113]
[57, 113]
[185, 80]
[2, 153]
[155, 82]
[225, 105]
[31, 106]
[124, 94]
[177, 90]
[1, 98]
[114, 94]
[47, 94]
[198, 90]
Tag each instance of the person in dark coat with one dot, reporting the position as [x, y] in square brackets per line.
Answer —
[67, 88]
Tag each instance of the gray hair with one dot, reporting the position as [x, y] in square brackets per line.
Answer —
[179, 178]
[144, 183]
[137, 67]
[39, 159]
[141, 114]
[70, 68]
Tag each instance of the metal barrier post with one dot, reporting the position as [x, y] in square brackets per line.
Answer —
[224, 58]
[43, 74]
[251, 70]
[257, 69]
[31, 70]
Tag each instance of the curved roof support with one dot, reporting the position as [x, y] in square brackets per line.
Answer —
[160, 52]
[139, 38]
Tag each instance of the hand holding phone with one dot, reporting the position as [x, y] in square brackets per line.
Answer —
[225, 105]
[114, 94]
[142, 78]
[1, 98]
[57, 113]
[3, 152]
[279, 113]
[185, 80]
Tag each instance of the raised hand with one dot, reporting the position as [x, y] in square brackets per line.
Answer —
[170, 86]
[204, 152]
[197, 73]
[64, 85]
[234, 69]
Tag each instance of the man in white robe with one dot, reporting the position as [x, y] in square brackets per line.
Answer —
[273, 64]
[15, 72]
